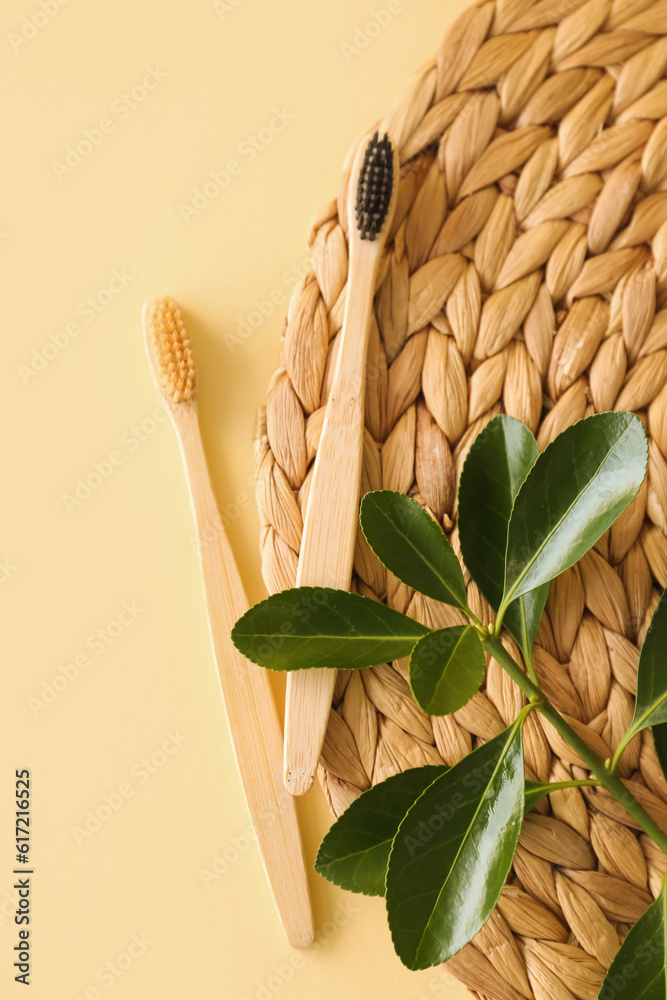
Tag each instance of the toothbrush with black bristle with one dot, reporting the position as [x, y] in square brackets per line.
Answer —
[330, 525]
[253, 721]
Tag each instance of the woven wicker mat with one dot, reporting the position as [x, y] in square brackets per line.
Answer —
[526, 273]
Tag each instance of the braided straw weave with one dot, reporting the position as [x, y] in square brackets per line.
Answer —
[525, 273]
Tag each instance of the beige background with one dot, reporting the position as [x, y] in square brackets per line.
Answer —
[76, 389]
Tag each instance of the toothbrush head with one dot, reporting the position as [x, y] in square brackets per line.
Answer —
[169, 350]
[375, 186]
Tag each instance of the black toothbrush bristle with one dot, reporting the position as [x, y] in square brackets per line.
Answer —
[376, 179]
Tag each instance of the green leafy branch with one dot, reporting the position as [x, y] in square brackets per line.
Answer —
[439, 842]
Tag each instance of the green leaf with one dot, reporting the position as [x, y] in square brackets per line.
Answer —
[577, 488]
[639, 970]
[320, 627]
[453, 851]
[524, 615]
[407, 540]
[660, 740]
[355, 851]
[501, 457]
[447, 667]
[651, 702]
[498, 462]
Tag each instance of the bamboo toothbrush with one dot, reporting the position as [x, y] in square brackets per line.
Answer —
[330, 526]
[251, 713]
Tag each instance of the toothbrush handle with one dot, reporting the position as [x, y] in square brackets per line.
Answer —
[253, 722]
[330, 526]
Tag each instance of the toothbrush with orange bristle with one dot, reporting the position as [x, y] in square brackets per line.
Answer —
[330, 524]
[251, 713]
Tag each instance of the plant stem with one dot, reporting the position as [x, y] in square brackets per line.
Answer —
[558, 786]
[473, 618]
[530, 667]
[604, 777]
[627, 738]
